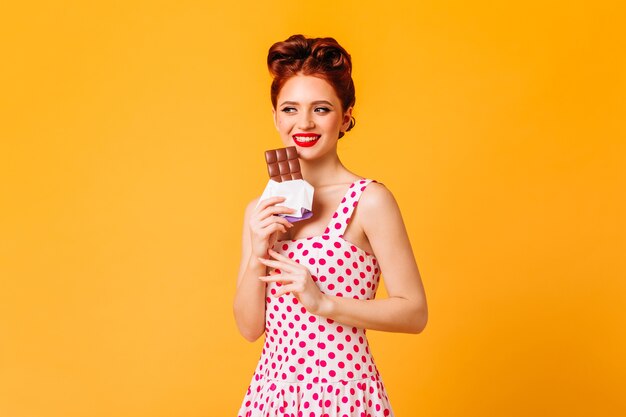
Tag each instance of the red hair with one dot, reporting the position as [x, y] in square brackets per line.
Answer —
[319, 57]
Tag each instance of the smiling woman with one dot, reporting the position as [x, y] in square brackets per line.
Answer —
[305, 139]
[310, 114]
[310, 286]
[325, 59]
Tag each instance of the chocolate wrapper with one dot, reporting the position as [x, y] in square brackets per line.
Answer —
[298, 195]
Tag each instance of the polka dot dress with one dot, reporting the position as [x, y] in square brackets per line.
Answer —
[312, 366]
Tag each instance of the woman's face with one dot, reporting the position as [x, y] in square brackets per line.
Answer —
[308, 115]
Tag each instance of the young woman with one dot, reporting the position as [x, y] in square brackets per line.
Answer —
[310, 285]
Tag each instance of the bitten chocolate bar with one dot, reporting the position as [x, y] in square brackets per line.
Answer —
[283, 164]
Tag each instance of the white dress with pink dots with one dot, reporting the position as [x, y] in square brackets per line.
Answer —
[312, 366]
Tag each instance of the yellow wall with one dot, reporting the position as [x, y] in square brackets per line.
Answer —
[132, 137]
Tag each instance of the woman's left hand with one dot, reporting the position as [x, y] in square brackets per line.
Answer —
[294, 278]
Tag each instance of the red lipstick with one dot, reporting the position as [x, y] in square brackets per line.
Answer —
[306, 140]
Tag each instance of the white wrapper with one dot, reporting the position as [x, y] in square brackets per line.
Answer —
[298, 194]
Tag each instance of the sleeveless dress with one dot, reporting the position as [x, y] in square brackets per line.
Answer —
[312, 366]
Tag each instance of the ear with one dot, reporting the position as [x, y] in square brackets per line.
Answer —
[347, 116]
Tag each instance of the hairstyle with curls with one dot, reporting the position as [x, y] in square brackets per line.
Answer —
[320, 57]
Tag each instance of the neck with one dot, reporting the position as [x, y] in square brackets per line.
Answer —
[324, 171]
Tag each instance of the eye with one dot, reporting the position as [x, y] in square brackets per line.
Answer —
[287, 109]
[324, 109]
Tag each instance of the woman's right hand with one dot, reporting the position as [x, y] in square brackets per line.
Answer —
[265, 225]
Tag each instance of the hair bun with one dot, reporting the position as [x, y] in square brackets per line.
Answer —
[325, 51]
[295, 48]
[330, 56]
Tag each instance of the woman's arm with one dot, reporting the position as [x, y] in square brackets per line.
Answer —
[405, 310]
[249, 303]
[260, 227]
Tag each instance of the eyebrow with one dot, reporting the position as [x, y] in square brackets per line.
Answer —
[313, 102]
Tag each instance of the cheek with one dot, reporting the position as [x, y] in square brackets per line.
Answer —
[282, 124]
[334, 122]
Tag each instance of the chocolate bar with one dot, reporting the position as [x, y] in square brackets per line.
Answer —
[283, 164]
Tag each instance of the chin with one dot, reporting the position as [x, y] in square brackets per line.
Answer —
[311, 154]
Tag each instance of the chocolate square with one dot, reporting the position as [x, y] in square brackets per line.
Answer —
[283, 164]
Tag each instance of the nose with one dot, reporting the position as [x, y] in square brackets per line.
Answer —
[306, 121]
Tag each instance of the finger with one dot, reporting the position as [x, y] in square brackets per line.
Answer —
[283, 290]
[275, 219]
[276, 264]
[273, 264]
[269, 201]
[276, 278]
[282, 258]
[275, 227]
[275, 210]
[267, 231]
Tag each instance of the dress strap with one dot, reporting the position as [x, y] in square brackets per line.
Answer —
[341, 218]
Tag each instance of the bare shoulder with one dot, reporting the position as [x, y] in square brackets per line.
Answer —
[380, 217]
[376, 200]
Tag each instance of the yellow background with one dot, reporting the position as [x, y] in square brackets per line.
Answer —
[132, 137]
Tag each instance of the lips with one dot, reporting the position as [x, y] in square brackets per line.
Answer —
[306, 140]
